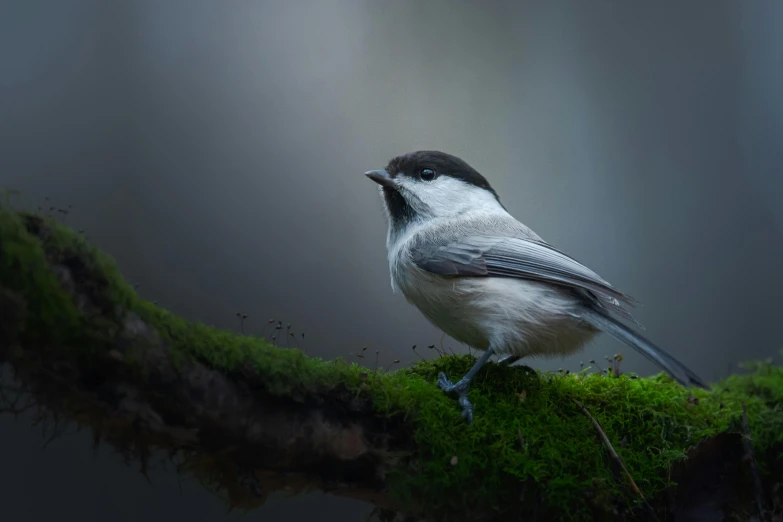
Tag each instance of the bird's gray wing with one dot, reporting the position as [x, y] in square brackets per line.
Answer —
[532, 259]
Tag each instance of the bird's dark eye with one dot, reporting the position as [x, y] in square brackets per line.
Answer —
[427, 174]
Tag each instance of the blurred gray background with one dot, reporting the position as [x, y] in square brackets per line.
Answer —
[216, 150]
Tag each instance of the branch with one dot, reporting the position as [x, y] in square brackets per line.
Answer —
[249, 419]
[616, 458]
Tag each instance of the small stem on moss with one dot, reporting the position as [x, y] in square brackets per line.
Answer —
[616, 458]
[292, 334]
[264, 328]
[758, 489]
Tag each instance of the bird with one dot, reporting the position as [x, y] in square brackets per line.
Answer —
[489, 281]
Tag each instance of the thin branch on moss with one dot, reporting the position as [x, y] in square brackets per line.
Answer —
[617, 458]
[617, 359]
[360, 355]
[449, 347]
[758, 489]
[242, 318]
[278, 326]
[433, 347]
[293, 334]
[263, 330]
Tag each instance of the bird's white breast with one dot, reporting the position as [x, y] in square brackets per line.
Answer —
[514, 316]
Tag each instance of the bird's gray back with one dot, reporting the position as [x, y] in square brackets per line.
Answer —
[440, 232]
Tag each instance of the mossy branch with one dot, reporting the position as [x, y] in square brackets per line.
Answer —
[250, 419]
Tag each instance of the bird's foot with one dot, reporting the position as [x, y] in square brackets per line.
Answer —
[461, 388]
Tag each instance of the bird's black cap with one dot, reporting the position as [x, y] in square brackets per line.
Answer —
[412, 163]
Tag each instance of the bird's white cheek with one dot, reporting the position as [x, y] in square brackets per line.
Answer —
[447, 197]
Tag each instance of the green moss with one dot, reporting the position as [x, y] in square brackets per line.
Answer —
[526, 431]
[652, 422]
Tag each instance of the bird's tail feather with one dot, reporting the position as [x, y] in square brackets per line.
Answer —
[678, 371]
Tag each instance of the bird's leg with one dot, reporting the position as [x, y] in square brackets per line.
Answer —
[509, 359]
[463, 385]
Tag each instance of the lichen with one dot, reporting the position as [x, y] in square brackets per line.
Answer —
[528, 445]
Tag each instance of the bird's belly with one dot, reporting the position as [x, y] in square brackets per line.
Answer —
[513, 316]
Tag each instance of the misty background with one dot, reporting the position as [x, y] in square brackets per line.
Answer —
[216, 148]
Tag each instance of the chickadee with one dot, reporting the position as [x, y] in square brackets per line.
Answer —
[489, 281]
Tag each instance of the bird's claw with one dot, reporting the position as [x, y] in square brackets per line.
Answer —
[467, 407]
[461, 388]
[444, 383]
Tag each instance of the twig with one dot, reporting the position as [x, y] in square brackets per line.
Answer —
[747, 441]
[278, 326]
[264, 328]
[242, 318]
[616, 458]
[441, 345]
[360, 355]
[293, 334]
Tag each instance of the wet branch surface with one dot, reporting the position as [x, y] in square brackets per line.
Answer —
[136, 395]
[227, 429]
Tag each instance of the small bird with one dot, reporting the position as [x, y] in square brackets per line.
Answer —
[489, 281]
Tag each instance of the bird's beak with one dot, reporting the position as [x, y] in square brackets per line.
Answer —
[382, 178]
